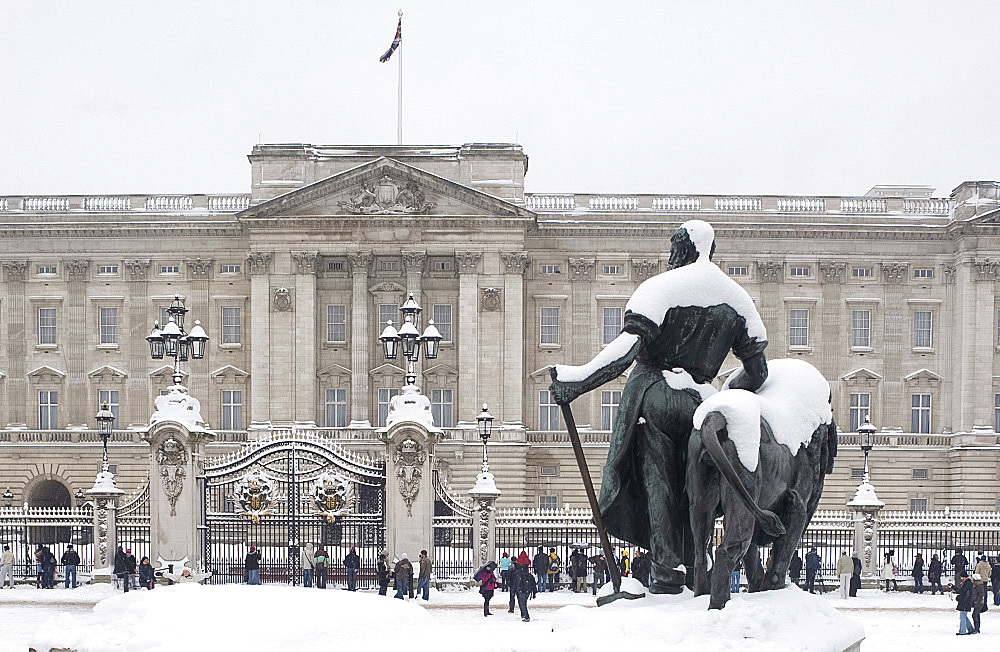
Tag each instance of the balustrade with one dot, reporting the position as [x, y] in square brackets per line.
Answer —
[676, 203]
[107, 203]
[613, 203]
[927, 206]
[551, 202]
[739, 204]
[801, 205]
[46, 203]
[228, 202]
[862, 205]
[169, 203]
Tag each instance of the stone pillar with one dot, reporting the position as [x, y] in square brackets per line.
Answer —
[140, 323]
[865, 507]
[468, 332]
[897, 341]
[259, 320]
[104, 495]
[177, 437]
[76, 398]
[770, 274]
[832, 274]
[306, 407]
[581, 312]
[484, 515]
[413, 262]
[515, 265]
[18, 338]
[360, 336]
[409, 493]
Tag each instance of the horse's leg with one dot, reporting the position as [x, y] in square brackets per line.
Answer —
[753, 568]
[794, 513]
[737, 533]
[703, 497]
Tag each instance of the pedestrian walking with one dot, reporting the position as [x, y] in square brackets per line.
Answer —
[540, 564]
[918, 573]
[795, 568]
[306, 555]
[845, 568]
[934, 570]
[352, 563]
[524, 562]
[855, 576]
[964, 590]
[504, 571]
[147, 578]
[7, 567]
[960, 562]
[424, 576]
[523, 587]
[985, 570]
[555, 566]
[121, 568]
[320, 563]
[403, 572]
[813, 566]
[252, 565]
[382, 570]
[488, 584]
[70, 560]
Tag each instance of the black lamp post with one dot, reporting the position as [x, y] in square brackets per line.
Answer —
[8, 498]
[409, 339]
[105, 421]
[866, 432]
[80, 497]
[485, 422]
[172, 341]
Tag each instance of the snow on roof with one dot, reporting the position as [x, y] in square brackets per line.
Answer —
[114, 370]
[46, 368]
[923, 373]
[227, 368]
[794, 400]
[702, 284]
[861, 371]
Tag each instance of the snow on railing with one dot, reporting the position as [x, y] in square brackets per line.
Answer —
[228, 203]
[801, 205]
[613, 203]
[862, 205]
[169, 203]
[551, 202]
[125, 203]
[676, 203]
[107, 203]
[739, 204]
[46, 204]
[927, 206]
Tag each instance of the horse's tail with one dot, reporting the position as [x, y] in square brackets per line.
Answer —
[710, 428]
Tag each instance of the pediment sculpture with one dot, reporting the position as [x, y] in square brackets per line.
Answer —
[386, 197]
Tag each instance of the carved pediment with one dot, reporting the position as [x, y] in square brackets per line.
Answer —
[923, 377]
[861, 376]
[385, 188]
[229, 373]
[387, 369]
[164, 374]
[46, 374]
[441, 372]
[334, 373]
[108, 373]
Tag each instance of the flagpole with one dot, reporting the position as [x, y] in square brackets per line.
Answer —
[399, 109]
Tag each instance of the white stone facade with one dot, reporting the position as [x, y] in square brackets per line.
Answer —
[891, 295]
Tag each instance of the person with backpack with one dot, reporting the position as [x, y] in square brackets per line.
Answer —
[555, 565]
[522, 585]
[521, 560]
[320, 561]
[918, 573]
[600, 571]
[960, 562]
[403, 572]
[306, 555]
[540, 564]
[352, 562]
[813, 566]
[642, 567]
[578, 570]
[934, 575]
[70, 559]
[623, 563]
[488, 584]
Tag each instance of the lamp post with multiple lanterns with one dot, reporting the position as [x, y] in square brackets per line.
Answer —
[409, 339]
[172, 341]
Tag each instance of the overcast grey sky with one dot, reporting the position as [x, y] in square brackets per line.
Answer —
[669, 97]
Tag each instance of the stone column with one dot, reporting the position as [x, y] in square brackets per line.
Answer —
[865, 507]
[306, 407]
[413, 262]
[515, 265]
[770, 274]
[200, 272]
[468, 332]
[977, 310]
[484, 515]
[259, 320]
[76, 347]
[832, 275]
[18, 342]
[137, 384]
[104, 495]
[360, 337]
[409, 493]
[581, 312]
[898, 339]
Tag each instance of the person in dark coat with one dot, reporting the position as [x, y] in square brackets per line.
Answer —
[600, 571]
[795, 568]
[813, 566]
[855, 577]
[522, 585]
[132, 566]
[321, 561]
[488, 585]
[382, 569]
[146, 576]
[918, 573]
[48, 568]
[540, 564]
[121, 568]
[960, 562]
[994, 579]
[252, 564]
[403, 572]
[964, 606]
[641, 567]
[525, 562]
[352, 563]
[70, 559]
[578, 570]
[934, 574]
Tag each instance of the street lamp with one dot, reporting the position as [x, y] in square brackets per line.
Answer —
[105, 421]
[80, 497]
[8, 498]
[172, 341]
[866, 432]
[485, 422]
[409, 339]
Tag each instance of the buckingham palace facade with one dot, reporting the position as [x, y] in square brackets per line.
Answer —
[891, 295]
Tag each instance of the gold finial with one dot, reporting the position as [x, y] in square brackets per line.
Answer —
[400, 13]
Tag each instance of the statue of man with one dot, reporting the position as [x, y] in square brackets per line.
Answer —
[679, 327]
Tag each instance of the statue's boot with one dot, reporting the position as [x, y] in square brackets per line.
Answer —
[662, 588]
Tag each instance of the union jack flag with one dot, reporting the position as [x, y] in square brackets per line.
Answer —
[395, 42]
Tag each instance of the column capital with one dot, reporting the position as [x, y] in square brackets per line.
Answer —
[770, 271]
[580, 269]
[833, 271]
[14, 270]
[76, 270]
[894, 273]
[360, 262]
[645, 268]
[200, 269]
[306, 262]
[468, 261]
[986, 270]
[516, 262]
[414, 261]
[259, 262]
[136, 270]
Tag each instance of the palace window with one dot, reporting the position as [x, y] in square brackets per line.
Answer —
[918, 504]
[549, 325]
[385, 395]
[739, 271]
[548, 502]
[442, 320]
[612, 324]
[46, 325]
[609, 407]
[170, 269]
[441, 266]
[920, 413]
[109, 397]
[441, 408]
[48, 410]
[548, 411]
[231, 326]
[861, 272]
[549, 269]
[229, 269]
[798, 271]
[109, 325]
[923, 272]
[336, 323]
[919, 474]
[798, 327]
[388, 312]
[336, 408]
[857, 472]
[613, 270]
[861, 328]
[860, 405]
[232, 410]
[922, 329]
[46, 270]
[335, 266]
[548, 471]
[388, 266]
[107, 270]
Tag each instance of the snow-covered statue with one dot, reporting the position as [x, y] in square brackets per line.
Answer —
[679, 327]
[759, 460]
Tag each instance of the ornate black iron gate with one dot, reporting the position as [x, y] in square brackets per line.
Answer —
[288, 491]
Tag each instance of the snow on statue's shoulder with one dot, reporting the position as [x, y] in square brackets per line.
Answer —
[700, 284]
[794, 400]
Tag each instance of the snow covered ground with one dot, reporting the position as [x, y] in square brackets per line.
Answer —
[191, 618]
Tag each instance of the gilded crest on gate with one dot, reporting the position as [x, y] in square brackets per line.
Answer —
[333, 496]
[254, 495]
